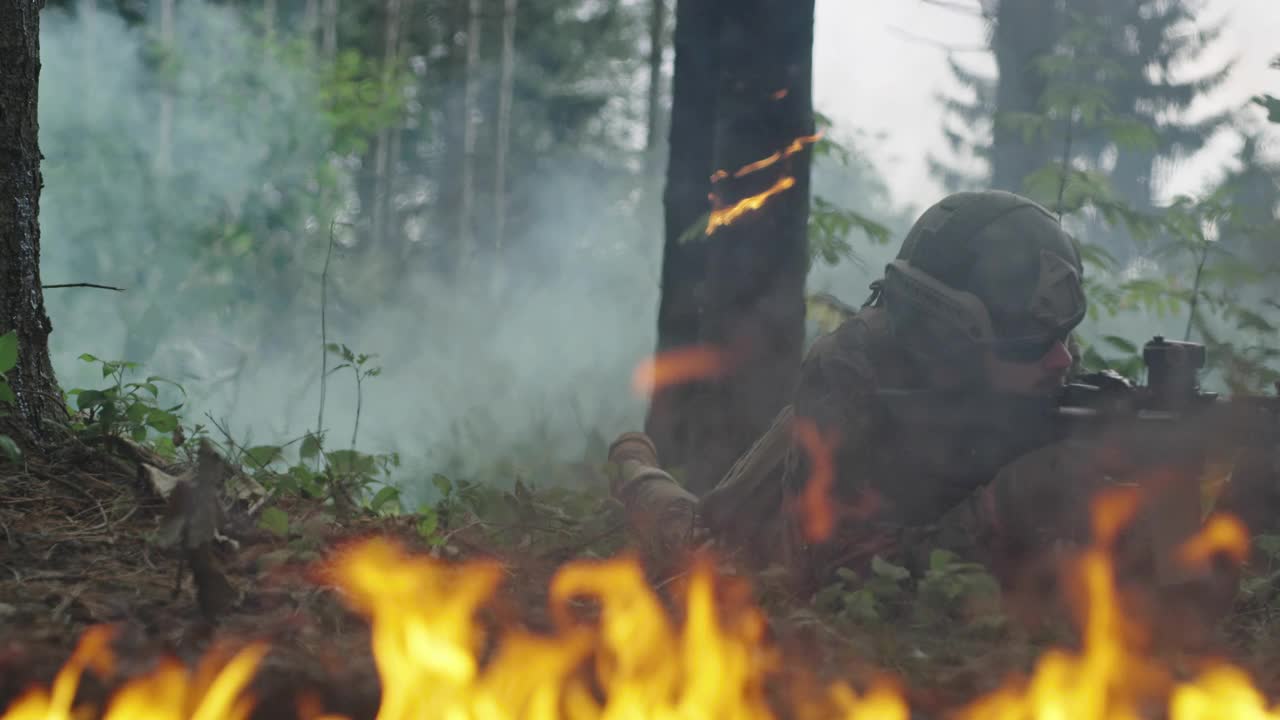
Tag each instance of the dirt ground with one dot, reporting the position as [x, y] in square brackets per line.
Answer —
[77, 550]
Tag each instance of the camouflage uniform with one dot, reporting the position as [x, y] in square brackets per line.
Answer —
[896, 486]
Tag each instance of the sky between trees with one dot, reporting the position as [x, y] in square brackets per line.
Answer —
[898, 97]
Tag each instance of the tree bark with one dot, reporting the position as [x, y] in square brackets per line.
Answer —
[21, 299]
[757, 264]
[1024, 31]
[689, 167]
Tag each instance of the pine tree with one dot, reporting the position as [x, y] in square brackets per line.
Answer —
[1137, 49]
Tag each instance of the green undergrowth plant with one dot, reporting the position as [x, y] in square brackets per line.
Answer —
[8, 361]
[126, 408]
[348, 479]
[948, 592]
[557, 523]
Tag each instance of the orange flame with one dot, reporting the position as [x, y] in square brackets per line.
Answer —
[727, 216]
[168, 692]
[1221, 534]
[681, 365]
[437, 658]
[796, 146]
[818, 505]
[721, 217]
[817, 514]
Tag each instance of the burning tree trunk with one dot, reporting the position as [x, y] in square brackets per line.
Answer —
[689, 167]
[1024, 31]
[758, 234]
[21, 299]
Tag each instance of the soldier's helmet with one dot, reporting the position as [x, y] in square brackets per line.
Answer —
[985, 270]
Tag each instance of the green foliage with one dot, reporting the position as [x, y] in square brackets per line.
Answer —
[949, 590]
[341, 477]
[8, 361]
[554, 522]
[1186, 272]
[358, 364]
[124, 408]
[831, 224]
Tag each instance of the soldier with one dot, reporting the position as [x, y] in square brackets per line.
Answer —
[980, 301]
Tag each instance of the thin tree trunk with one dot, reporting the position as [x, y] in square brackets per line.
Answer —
[1025, 30]
[269, 18]
[470, 93]
[657, 31]
[164, 147]
[756, 266]
[310, 19]
[505, 88]
[329, 32]
[21, 300]
[89, 53]
[381, 200]
[689, 168]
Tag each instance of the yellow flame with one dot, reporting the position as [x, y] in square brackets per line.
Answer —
[796, 146]
[1221, 534]
[727, 216]
[167, 693]
[617, 654]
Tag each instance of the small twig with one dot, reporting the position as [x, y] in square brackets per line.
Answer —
[445, 538]
[82, 285]
[956, 7]
[920, 39]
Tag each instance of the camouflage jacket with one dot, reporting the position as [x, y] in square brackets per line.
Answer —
[888, 479]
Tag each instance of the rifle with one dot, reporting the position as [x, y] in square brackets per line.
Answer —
[1192, 440]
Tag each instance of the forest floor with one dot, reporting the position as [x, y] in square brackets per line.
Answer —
[77, 550]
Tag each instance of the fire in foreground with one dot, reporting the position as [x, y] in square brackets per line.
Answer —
[633, 661]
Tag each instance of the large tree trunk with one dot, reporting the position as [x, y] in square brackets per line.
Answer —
[1024, 31]
[21, 300]
[689, 167]
[757, 264]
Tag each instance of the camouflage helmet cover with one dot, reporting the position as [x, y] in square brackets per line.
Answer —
[982, 268]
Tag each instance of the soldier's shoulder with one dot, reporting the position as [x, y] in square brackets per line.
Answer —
[866, 334]
[861, 347]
